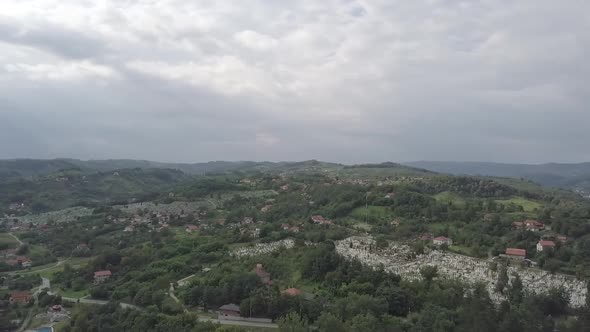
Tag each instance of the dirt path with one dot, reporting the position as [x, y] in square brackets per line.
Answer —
[16, 238]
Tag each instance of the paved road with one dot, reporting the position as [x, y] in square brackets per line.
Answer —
[98, 302]
[45, 284]
[238, 322]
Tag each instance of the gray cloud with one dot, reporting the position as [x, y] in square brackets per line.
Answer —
[338, 80]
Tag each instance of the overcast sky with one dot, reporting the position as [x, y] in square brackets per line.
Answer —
[335, 80]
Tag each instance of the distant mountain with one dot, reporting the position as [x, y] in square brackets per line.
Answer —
[575, 177]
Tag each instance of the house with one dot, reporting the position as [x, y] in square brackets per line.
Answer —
[16, 206]
[255, 233]
[533, 225]
[285, 187]
[23, 261]
[192, 228]
[263, 275]
[292, 292]
[319, 220]
[562, 238]
[426, 237]
[389, 195]
[294, 229]
[285, 227]
[230, 310]
[515, 253]
[544, 245]
[128, 229]
[442, 240]
[266, 208]
[20, 297]
[101, 276]
[518, 225]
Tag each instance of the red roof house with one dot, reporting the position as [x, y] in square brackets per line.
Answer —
[515, 253]
[533, 225]
[192, 228]
[442, 240]
[20, 297]
[101, 276]
[545, 245]
[292, 292]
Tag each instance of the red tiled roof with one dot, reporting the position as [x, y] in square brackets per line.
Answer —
[102, 273]
[515, 252]
[441, 238]
[546, 243]
[533, 223]
[20, 296]
[292, 291]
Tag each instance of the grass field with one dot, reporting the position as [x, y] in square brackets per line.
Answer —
[461, 250]
[373, 214]
[7, 241]
[450, 197]
[72, 293]
[527, 205]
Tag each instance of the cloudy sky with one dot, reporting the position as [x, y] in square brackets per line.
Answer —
[335, 80]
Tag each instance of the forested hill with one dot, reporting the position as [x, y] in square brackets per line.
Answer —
[33, 167]
[569, 176]
[68, 188]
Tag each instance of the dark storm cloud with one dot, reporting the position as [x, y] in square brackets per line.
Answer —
[350, 81]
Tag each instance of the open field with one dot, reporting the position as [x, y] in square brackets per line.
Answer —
[450, 197]
[7, 241]
[372, 214]
[527, 205]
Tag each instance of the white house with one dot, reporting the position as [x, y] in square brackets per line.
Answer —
[442, 240]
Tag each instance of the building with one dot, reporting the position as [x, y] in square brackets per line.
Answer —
[24, 261]
[544, 245]
[533, 225]
[319, 220]
[101, 276]
[229, 310]
[20, 297]
[192, 228]
[292, 292]
[266, 208]
[285, 227]
[263, 275]
[442, 240]
[426, 237]
[515, 253]
[128, 229]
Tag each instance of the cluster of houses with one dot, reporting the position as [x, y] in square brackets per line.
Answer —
[529, 225]
[319, 220]
[10, 257]
[290, 229]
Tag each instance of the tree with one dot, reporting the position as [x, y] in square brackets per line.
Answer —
[428, 273]
[502, 279]
[292, 322]
[329, 322]
[515, 290]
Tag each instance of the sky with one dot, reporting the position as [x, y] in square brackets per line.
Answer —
[335, 80]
